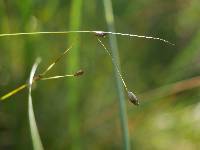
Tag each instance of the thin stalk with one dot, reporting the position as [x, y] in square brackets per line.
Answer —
[58, 77]
[114, 49]
[93, 32]
[131, 96]
[115, 64]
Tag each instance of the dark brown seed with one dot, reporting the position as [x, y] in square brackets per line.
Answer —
[100, 34]
[133, 98]
[79, 73]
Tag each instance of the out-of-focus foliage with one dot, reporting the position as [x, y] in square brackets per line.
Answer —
[162, 121]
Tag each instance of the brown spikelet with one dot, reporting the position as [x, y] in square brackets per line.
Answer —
[132, 97]
[79, 73]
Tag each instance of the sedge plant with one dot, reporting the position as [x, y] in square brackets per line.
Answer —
[114, 57]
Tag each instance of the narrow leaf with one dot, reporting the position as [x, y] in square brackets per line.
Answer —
[37, 144]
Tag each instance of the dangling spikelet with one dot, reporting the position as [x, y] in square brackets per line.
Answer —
[132, 97]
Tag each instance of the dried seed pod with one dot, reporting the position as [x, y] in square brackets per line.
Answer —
[132, 97]
[79, 73]
[100, 34]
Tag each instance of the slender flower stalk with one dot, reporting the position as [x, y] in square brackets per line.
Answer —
[132, 97]
[98, 33]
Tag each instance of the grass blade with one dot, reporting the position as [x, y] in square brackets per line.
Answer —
[114, 49]
[37, 144]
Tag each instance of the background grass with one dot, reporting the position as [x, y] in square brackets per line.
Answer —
[72, 90]
[167, 121]
[115, 57]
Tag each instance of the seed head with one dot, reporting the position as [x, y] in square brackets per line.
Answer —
[100, 34]
[79, 73]
[132, 97]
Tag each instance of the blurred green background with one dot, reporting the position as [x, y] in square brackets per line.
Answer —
[83, 113]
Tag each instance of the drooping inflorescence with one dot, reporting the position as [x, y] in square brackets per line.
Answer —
[131, 96]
